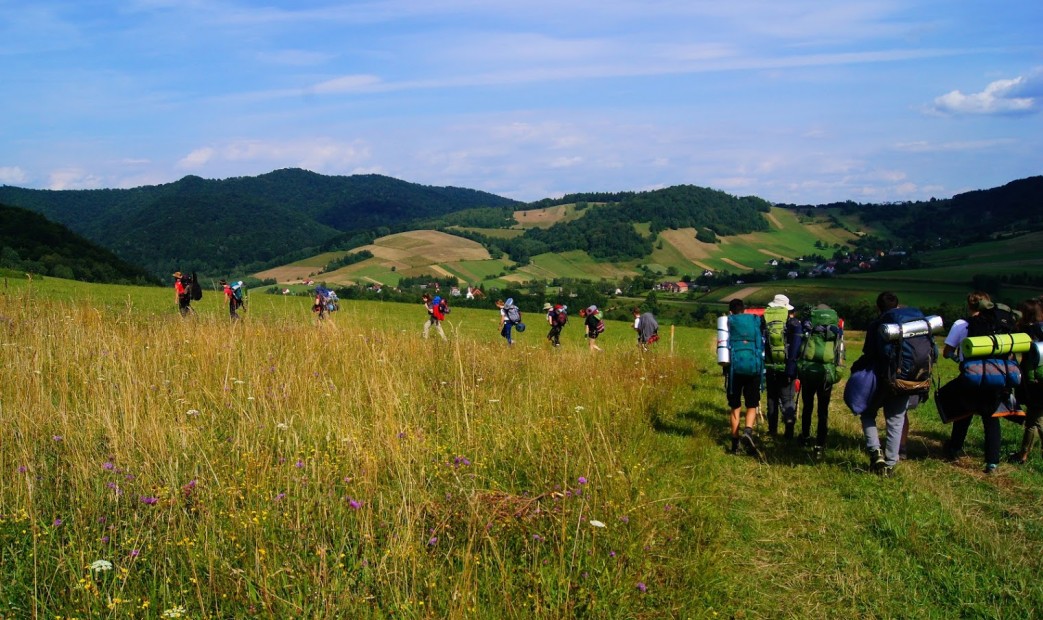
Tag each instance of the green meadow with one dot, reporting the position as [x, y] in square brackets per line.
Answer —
[154, 467]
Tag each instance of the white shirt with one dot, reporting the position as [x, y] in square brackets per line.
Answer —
[957, 334]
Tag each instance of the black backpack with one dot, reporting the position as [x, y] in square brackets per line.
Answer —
[992, 319]
[194, 289]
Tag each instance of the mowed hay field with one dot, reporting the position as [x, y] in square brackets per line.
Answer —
[284, 467]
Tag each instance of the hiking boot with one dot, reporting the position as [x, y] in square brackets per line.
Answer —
[990, 469]
[888, 471]
[1018, 458]
[788, 433]
[751, 447]
[876, 461]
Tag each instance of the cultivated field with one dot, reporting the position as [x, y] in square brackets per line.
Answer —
[281, 467]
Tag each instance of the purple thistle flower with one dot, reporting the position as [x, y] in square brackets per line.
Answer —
[299, 464]
[22, 469]
[354, 503]
[433, 541]
[280, 497]
[108, 465]
[641, 587]
[611, 554]
[582, 480]
[149, 500]
[105, 539]
[58, 438]
[58, 523]
[135, 553]
[625, 519]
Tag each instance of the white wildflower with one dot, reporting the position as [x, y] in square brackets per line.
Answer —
[174, 612]
[100, 566]
[597, 523]
[192, 412]
[282, 426]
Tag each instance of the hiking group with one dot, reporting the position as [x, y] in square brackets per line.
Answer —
[773, 349]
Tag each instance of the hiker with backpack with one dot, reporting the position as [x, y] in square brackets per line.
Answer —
[556, 318]
[510, 318]
[973, 391]
[436, 308]
[783, 341]
[821, 354]
[233, 295]
[182, 293]
[593, 326]
[743, 372]
[319, 306]
[1030, 392]
[647, 328]
[902, 367]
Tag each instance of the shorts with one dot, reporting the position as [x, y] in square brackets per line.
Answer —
[744, 388]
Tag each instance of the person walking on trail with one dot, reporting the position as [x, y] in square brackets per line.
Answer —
[319, 305]
[980, 400]
[821, 354]
[1030, 392]
[743, 373]
[510, 318]
[556, 318]
[230, 297]
[436, 311]
[647, 328]
[182, 296]
[593, 326]
[882, 459]
[783, 342]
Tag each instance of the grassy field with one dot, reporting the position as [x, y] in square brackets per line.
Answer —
[283, 467]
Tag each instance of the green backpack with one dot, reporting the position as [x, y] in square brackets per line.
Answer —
[822, 349]
[775, 355]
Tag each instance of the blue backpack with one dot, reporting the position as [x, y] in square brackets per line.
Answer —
[909, 361]
[746, 342]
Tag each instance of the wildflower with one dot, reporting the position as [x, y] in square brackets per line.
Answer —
[135, 553]
[150, 500]
[611, 554]
[625, 519]
[282, 426]
[58, 523]
[174, 612]
[582, 480]
[596, 523]
[108, 465]
[280, 497]
[355, 504]
[100, 566]
[537, 538]
[641, 587]
[22, 469]
[192, 412]
[580, 408]
[433, 541]
[299, 464]
[58, 438]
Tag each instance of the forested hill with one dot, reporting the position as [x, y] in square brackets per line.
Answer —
[234, 225]
[31, 243]
[1013, 208]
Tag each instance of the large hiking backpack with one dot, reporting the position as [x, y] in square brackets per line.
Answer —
[560, 317]
[821, 352]
[746, 345]
[909, 354]
[993, 372]
[194, 289]
[775, 352]
[237, 294]
[513, 314]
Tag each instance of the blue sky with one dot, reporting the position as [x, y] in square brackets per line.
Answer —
[803, 101]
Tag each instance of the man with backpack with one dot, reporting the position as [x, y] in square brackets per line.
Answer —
[556, 318]
[903, 369]
[233, 295]
[510, 318]
[647, 328]
[436, 308]
[783, 339]
[985, 319]
[822, 352]
[182, 293]
[743, 372]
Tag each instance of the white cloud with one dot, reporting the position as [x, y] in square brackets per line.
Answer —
[13, 175]
[73, 178]
[321, 155]
[1018, 95]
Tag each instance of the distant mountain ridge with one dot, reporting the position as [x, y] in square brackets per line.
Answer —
[235, 224]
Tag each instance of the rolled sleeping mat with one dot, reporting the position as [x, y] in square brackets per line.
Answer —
[1034, 356]
[932, 325]
[991, 346]
[723, 353]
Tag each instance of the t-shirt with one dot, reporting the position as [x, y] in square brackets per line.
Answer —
[957, 334]
[179, 287]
